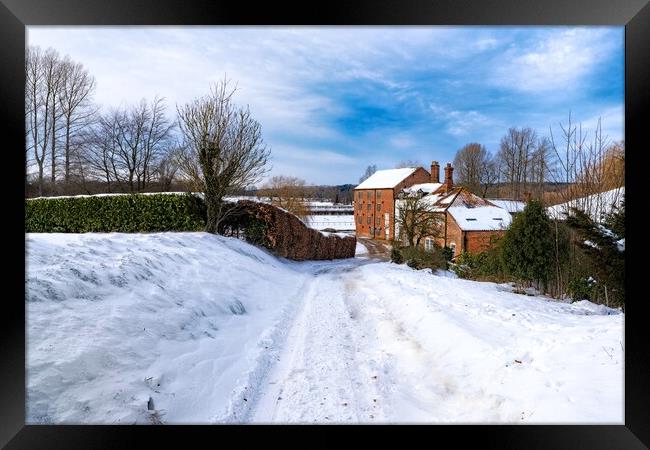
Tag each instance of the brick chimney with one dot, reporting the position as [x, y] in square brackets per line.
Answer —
[449, 181]
[435, 172]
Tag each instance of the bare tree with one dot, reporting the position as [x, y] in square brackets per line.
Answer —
[416, 219]
[514, 155]
[100, 150]
[167, 167]
[614, 165]
[33, 101]
[223, 149]
[77, 110]
[489, 175]
[470, 164]
[370, 170]
[57, 106]
[538, 167]
[42, 79]
[582, 164]
[288, 193]
[476, 168]
[156, 144]
[129, 142]
[55, 83]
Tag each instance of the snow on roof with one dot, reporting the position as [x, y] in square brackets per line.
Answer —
[481, 218]
[446, 200]
[512, 206]
[383, 179]
[424, 187]
[594, 205]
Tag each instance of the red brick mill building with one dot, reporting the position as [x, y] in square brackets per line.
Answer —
[470, 221]
[374, 200]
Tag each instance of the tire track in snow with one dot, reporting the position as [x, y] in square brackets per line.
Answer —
[318, 378]
[348, 359]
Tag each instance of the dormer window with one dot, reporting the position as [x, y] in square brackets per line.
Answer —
[470, 219]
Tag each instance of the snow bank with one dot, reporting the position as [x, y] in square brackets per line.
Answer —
[337, 222]
[361, 249]
[593, 205]
[113, 320]
[468, 352]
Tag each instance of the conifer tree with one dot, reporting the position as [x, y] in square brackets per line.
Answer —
[528, 246]
[601, 244]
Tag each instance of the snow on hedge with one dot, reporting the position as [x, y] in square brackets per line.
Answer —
[115, 319]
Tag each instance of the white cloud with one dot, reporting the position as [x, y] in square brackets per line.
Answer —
[558, 62]
[462, 123]
[612, 124]
[402, 141]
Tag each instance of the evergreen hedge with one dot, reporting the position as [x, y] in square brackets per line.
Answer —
[129, 213]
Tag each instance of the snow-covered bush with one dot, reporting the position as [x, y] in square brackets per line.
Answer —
[581, 288]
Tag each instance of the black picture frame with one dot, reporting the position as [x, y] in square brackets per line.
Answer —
[15, 15]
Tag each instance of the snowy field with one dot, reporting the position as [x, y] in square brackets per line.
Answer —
[337, 222]
[196, 328]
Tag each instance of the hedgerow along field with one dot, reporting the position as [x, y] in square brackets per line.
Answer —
[129, 213]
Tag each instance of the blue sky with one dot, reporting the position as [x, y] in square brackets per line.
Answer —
[332, 100]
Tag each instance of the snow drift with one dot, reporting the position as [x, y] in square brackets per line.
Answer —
[114, 320]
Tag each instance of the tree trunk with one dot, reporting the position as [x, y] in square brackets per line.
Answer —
[213, 207]
[40, 179]
[67, 150]
[53, 143]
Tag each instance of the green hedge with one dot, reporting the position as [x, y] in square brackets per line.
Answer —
[130, 213]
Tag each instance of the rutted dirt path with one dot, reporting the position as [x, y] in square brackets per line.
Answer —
[376, 249]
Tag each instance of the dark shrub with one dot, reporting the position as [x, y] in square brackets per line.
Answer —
[417, 258]
[396, 256]
[130, 213]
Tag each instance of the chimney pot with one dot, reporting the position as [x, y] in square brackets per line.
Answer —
[449, 181]
[435, 172]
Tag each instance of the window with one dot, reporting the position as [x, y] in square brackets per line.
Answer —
[359, 219]
[369, 220]
[368, 195]
[428, 244]
[369, 207]
[378, 194]
[360, 193]
[378, 207]
[378, 222]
